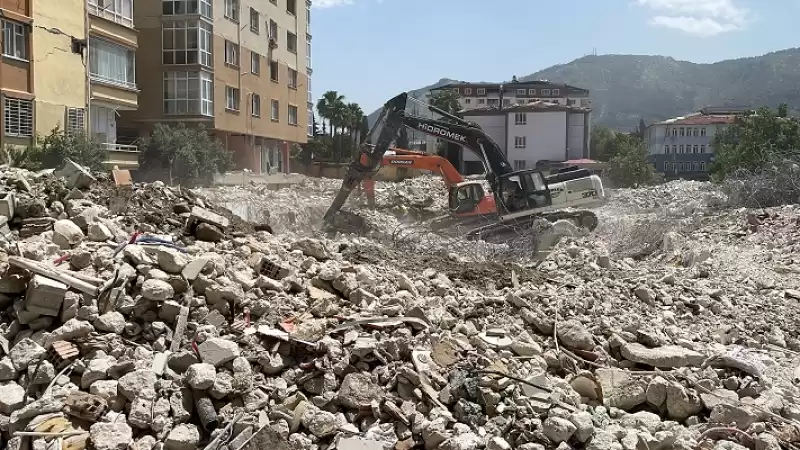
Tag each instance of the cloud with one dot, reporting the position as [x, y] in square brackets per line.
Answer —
[330, 3]
[698, 17]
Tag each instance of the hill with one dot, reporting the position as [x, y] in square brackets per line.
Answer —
[625, 88]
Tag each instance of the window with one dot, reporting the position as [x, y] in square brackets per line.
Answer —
[231, 53]
[703, 131]
[308, 27]
[255, 105]
[531, 91]
[468, 101]
[680, 166]
[545, 92]
[674, 149]
[292, 115]
[18, 117]
[467, 91]
[308, 51]
[520, 91]
[231, 98]
[273, 29]
[506, 101]
[232, 10]
[182, 7]
[519, 142]
[186, 42]
[666, 166]
[188, 93]
[111, 63]
[275, 110]
[291, 7]
[674, 132]
[481, 91]
[519, 164]
[570, 102]
[76, 121]
[702, 166]
[481, 101]
[119, 11]
[520, 119]
[680, 148]
[292, 78]
[310, 96]
[273, 71]
[291, 42]
[702, 148]
[695, 166]
[683, 131]
[666, 149]
[695, 132]
[696, 148]
[15, 40]
[255, 63]
[310, 126]
[556, 91]
[255, 21]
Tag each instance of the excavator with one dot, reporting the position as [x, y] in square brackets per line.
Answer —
[520, 197]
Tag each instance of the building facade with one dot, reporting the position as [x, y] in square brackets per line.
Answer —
[682, 147]
[494, 95]
[17, 74]
[241, 68]
[532, 134]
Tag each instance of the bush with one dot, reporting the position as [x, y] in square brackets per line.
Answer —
[630, 167]
[189, 156]
[53, 150]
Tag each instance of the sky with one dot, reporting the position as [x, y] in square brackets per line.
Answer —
[371, 50]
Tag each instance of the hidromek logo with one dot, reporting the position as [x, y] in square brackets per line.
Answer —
[447, 134]
[400, 161]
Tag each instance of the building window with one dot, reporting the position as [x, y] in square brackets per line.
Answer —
[232, 10]
[231, 53]
[291, 7]
[680, 148]
[111, 63]
[674, 132]
[520, 119]
[186, 42]
[273, 71]
[188, 93]
[570, 102]
[531, 91]
[519, 164]
[255, 21]
[255, 63]
[310, 126]
[292, 78]
[519, 142]
[481, 91]
[291, 42]
[683, 131]
[666, 149]
[255, 105]
[481, 101]
[310, 96]
[119, 11]
[273, 29]
[231, 98]
[695, 132]
[308, 24]
[666, 166]
[76, 121]
[695, 166]
[184, 7]
[15, 40]
[674, 149]
[292, 115]
[545, 92]
[275, 110]
[702, 148]
[467, 91]
[308, 52]
[702, 166]
[520, 91]
[703, 131]
[556, 91]
[468, 101]
[696, 148]
[18, 117]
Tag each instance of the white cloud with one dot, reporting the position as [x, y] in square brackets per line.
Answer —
[330, 3]
[698, 17]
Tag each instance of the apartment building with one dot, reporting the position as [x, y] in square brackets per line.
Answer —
[495, 95]
[532, 134]
[681, 147]
[17, 74]
[242, 68]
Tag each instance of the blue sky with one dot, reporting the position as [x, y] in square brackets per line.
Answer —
[371, 50]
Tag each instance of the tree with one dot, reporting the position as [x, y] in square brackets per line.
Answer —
[52, 151]
[328, 106]
[315, 126]
[185, 155]
[402, 139]
[354, 113]
[364, 131]
[630, 166]
[639, 132]
[446, 100]
[601, 145]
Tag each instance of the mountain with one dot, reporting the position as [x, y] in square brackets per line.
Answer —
[625, 88]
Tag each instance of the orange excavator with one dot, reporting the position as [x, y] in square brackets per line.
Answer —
[397, 157]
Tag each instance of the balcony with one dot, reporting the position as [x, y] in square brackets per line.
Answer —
[121, 155]
[117, 11]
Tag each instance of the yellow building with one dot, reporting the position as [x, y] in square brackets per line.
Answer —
[60, 73]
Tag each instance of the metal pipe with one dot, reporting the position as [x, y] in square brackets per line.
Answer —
[205, 411]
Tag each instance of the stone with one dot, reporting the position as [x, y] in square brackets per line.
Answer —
[25, 353]
[201, 376]
[111, 322]
[574, 335]
[182, 437]
[666, 357]
[139, 383]
[498, 443]
[320, 423]
[584, 427]
[218, 351]
[208, 232]
[558, 429]
[171, 260]
[621, 389]
[656, 393]
[157, 290]
[358, 390]
[682, 403]
[12, 397]
[111, 436]
[99, 232]
[66, 234]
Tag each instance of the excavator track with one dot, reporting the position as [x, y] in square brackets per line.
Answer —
[499, 232]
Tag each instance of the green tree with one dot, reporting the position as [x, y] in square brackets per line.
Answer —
[51, 151]
[185, 155]
[757, 141]
[364, 131]
[640, 130]
[630, 166]
[402, 139]
[329, 106]
[602, 143]
[353, 115]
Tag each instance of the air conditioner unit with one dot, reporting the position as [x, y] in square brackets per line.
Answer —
[273, 42]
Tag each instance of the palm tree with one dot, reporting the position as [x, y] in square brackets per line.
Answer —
[354, 115]
[328, 106]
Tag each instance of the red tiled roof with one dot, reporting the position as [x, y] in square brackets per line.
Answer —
[702, 120]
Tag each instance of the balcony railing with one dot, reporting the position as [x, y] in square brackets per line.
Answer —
[120, 148]
[109, 13]
[113, 82]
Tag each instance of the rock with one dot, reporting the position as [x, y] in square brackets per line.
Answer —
[25, 353]
[139, 383]
[666, 357]
[110, 436]
[182, 437]
[558, 429]
[621, 389]
[584, 427]
[201, 376]
[157, 290]
[171, 260]
[217, 351]
[66, 234]
[12, 397]
[574, 335]
[358, 391]
[208, 232]
[681, 402]
[111, 322]
[320, 423]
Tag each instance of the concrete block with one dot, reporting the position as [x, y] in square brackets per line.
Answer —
[7, 204]
[202, 215]
[76, 175]
[45, 295]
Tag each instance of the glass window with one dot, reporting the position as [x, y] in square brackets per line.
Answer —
[186, 42]
[119, 11]
[18, 117]
[292, 115]
[275, 110]
[188, 93]
[111, 63]
[15, 40]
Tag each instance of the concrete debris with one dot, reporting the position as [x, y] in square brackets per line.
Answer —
[166, 321]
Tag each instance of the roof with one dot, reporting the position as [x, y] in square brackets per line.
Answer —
[526, 107]
[509, 85]
[581, 161]
[700, 120]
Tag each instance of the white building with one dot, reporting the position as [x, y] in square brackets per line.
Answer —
[532, 134]
[493, 95]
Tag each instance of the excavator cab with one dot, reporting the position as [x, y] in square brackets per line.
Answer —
[519, 193]
[465, 197]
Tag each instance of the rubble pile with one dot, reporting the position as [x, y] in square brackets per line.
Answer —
[146, 318]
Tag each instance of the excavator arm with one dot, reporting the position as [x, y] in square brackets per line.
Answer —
[392, 118]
